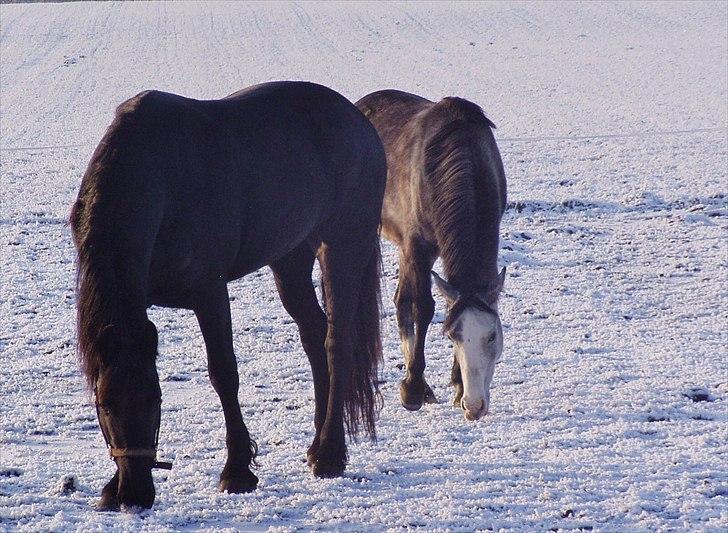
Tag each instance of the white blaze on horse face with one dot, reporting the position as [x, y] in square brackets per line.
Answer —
[478, 347]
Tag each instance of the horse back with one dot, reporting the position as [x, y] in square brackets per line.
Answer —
[199, 190]
[445, 182]
[392, 113]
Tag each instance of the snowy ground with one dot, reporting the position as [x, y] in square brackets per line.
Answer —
[612, 125]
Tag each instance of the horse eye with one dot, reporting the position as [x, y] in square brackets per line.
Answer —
[491, 338]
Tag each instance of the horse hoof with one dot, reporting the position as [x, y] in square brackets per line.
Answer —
[311, 452]
[429, 395]
[410, 400]
[110, 495]
[323, 469]
[108, 503]
[239, 485]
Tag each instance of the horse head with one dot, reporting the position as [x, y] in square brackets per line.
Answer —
[474, 326]
[128, 405]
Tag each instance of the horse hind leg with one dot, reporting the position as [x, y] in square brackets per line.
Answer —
[292, 275]
[213, 315]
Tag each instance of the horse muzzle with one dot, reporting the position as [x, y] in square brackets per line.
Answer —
[136, 486]
[474, 410]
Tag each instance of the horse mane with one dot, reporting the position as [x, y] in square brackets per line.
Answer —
[464, 110]
[99, 298]
[465, 227]
[96, 293]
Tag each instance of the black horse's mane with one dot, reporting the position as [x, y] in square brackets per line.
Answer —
[99, 305]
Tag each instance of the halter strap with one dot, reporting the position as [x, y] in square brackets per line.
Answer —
[133, 452]
[150, 453]
[464, 301]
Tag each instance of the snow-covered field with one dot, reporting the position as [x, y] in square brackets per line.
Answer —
[613, 129]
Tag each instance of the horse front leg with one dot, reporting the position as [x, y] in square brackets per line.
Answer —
[213, 315]
[415, 309]
[424, 310]
[456, 380]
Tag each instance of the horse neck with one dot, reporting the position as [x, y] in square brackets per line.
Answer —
[468, 214]
[480, 265]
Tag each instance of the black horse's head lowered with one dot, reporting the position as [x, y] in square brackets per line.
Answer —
[128, 402]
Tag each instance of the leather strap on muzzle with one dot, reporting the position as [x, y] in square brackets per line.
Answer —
[149, 453]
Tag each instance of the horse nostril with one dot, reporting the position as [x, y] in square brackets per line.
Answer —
[473, 413]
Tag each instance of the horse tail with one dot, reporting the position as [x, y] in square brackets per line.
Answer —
[364, 399]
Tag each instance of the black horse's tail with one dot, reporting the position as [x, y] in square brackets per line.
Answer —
[364, 400]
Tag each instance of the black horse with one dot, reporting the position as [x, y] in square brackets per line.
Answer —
[445, 196]
[182, 196]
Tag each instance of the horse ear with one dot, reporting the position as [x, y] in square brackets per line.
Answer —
[490, 295]
[501, 279]
[448, 292]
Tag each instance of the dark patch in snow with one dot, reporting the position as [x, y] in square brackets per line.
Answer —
[178, 377]
[698, 394]
[720, 490]
[43, 431]
[10, 472]
[67, 485]
[645, 202]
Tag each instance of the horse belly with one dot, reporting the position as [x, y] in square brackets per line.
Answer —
[184, 262]
[273, 237]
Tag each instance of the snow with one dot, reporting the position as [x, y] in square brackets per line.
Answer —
[609, 408]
